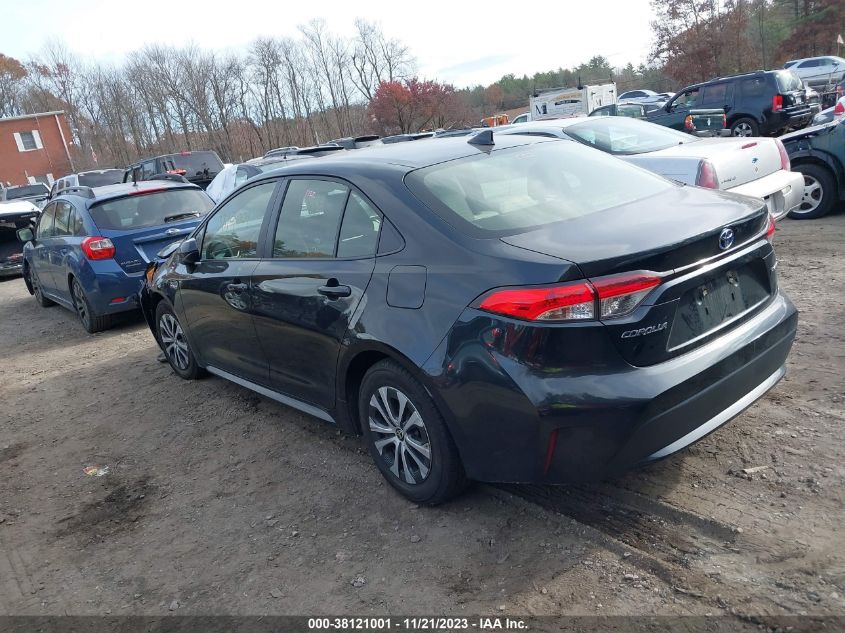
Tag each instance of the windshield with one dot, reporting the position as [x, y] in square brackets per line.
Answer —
[101, 179]
[515, 189]
[195, 164]
[151, 209]
[788, 81]
[623, 135]
[26, 190]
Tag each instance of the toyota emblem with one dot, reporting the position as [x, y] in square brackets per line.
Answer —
[726, 239]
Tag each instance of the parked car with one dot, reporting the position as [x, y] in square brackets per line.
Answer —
[520, 118]
[762, 103]
[828, 115]
[313, 151]
[758, 168]
[198, 168]
[633, 95]
[234, 176]
[819, 154]
[482, 308]
[90, 178]
[818, 70]
[357, 142]
[697, 122]
[90, 247]
[11, 253]
[16, 214]
[36, 194]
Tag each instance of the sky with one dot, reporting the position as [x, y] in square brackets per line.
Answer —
[463, 43]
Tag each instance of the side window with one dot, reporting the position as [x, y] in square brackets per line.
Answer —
[750, 88]
[359, 230]
[45, 222]
[61, 226]
[75, 225]
[241, 176]
[233, 231]
[310, 218]
[714, 96]
[812, 63]
[147, 169]
[687, 100]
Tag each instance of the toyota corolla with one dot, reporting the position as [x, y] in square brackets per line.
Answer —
[498, 308]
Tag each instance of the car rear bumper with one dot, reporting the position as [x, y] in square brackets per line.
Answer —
[109, 288]
[516, 423]
[781, 191]
[10, 269]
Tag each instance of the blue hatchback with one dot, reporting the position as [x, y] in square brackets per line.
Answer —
[90, 247]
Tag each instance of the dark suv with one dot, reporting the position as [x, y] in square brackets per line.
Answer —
[762, 103]
[198, 168]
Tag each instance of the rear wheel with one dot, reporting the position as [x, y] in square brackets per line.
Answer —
[819, 192]
[407, 437]
[32, 278]
[745, 127]
[91, 321]
[174, 344]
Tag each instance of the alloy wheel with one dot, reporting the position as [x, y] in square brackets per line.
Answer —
[173, 339]
[813, 194]
[80, 305]
[743, 129]
[400, 435]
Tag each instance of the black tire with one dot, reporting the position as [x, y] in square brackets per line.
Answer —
[819, 192]
[745, 127]
[32, 283]
[91, 321]
[173, 342]
[434, 479]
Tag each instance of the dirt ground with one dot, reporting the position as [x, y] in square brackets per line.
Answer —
[220, 501]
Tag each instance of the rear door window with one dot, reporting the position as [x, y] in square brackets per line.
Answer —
[359, 229]
[714, 96]
[61, 224]
[310, 219]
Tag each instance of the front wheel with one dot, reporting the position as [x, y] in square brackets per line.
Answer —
[745, 127]
[174, 344]
[819, 193]
[407, 437]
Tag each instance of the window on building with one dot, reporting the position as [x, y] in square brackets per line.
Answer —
[28, 141]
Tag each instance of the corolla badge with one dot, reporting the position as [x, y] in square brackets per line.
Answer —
[644, 331]
[726, 239]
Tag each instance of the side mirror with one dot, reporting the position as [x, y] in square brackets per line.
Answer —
[25, 235]
[189, 251]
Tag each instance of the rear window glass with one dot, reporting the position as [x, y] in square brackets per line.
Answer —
[151, 209]
[94, 179]
[788, 81]
[626, 136]
[194, 163]
[515, 189]
[26, 190]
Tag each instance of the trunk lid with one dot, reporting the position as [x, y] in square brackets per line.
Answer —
[135, 249]
[707, 287]
[737, 161]
[636, 237]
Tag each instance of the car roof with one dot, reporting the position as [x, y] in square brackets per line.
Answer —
[119, 190]
[405, 156]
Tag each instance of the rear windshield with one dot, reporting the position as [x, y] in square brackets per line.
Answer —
[515, 189]
[101, 179]
[625, 136]
[195, 164]
[151, 209]
[26, 190]
[788, 81]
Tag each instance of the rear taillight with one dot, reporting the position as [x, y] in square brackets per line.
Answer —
[568, 302]
[777, 103]
[621, 294]
[98, 248]
[706, 176]
[839, 108]
[688, 124]
[601, 298]
[724, 121]
[784, 157]
[770, 228]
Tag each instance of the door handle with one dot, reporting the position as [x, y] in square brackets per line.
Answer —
[335, 291]
[236, 288]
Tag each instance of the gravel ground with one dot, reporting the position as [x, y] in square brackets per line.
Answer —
[220, 501]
